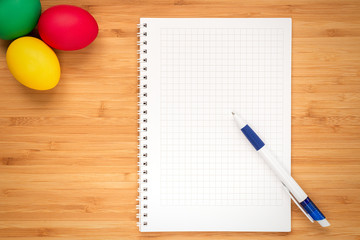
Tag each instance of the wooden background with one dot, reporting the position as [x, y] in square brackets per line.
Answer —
[68, 156]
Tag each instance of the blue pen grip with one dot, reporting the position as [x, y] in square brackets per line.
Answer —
[252, 137]
[312, 210]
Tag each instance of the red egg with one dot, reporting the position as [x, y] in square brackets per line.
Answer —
[67, 27]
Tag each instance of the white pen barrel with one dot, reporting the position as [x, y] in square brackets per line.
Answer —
[282, 174]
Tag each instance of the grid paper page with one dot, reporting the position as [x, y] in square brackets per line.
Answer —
[205, 73]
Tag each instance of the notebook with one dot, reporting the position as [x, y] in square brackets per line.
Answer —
[197, 172]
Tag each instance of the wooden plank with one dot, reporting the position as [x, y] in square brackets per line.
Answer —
[68, 156]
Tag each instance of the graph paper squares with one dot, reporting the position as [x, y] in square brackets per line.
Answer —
[205, 75]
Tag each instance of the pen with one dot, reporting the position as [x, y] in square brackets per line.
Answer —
[292, 188]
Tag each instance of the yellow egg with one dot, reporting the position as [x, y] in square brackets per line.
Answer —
[33, 63]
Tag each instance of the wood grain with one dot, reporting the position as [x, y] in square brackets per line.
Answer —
[68, 155]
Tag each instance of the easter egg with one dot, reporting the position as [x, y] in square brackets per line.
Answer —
[33, 63]
[18, 17]
[67, 27]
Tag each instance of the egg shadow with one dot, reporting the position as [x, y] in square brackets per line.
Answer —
[4, 44]
[35, 33]
[81, 55]
[39, 97]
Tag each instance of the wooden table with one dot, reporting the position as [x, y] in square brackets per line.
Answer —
[69, 155]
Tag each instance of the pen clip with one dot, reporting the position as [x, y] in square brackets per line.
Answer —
[297, 203]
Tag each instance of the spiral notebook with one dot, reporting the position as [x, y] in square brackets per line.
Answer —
[197, 172]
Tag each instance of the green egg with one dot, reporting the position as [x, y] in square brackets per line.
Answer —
[18, 17]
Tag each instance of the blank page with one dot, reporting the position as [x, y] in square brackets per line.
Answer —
[202, 173]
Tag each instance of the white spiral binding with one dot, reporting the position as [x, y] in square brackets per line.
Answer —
[143, 171]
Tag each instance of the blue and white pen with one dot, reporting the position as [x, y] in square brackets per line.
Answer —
[292, 188]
